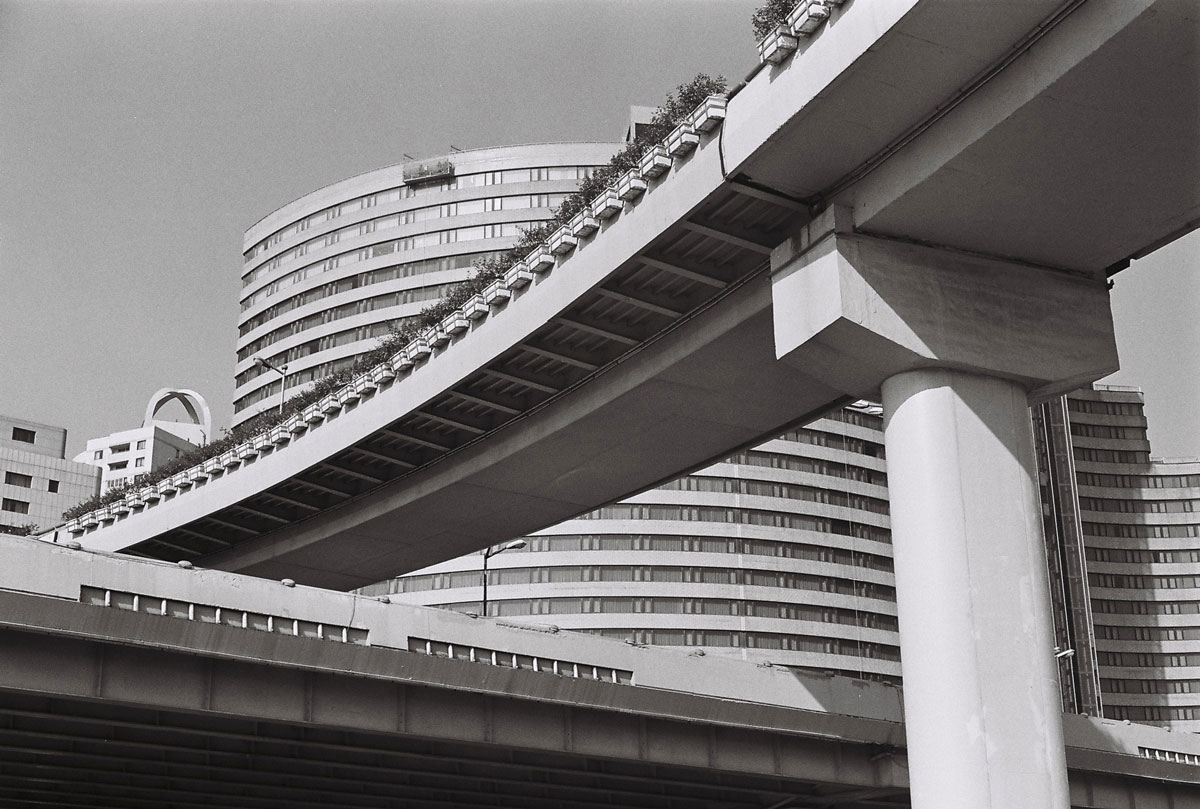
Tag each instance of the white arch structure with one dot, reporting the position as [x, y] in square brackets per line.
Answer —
[193, 403]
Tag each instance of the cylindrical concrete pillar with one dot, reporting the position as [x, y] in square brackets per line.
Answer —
[982, 707]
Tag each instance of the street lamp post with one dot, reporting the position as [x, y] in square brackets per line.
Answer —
[488, 553]
[282, 371]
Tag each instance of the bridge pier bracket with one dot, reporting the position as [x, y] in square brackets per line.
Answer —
[956, 346]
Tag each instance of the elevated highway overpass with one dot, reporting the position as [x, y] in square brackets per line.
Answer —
[144, 684]
[922, 203]
[1033, 140]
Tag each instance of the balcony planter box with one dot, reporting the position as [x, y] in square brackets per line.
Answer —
[455, 323]
[261, 441]
[362, 385]
[213, 465]
[149, 494]
[347, 395]
[777, 45]
[606, 204]
[182, 480]
[329, 405]
[682, 140]
[418, 349]
[279, 435]
[73, 526]
[132, 500]
[245, 451]
[295, 424]
[437, 336]
[475, 308]
[540, 260]
[166, 487]
[584, 223]
[631, 185]
[518, 276]
[312, 414]
[495, 294]
[806, 18]
[401, 362]
[655, 162]
[229, 458]
[89, 519]
[562, 242]
[382, 374]
[105, 514]
[709, 114]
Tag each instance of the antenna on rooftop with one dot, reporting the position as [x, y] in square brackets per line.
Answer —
[454, 148]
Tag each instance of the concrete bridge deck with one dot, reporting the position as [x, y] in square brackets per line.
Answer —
[137, 684]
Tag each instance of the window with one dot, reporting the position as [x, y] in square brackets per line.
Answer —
[23, 435]
[119, 448]
[17, 479]
[141, 444]
[118, 465]
[52, 486]
[140, 462]
[97, 455]
[15, 506]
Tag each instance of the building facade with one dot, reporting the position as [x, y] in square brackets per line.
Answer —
[123, 455]
[327, 275]
[37, 482]
[1123, 530]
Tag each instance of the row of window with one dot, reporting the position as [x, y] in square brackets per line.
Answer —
[1144, 557]
[1156, 633]
[856, 417]
[740, 516]
[1120, 581]
[475, 206]
[363, 279]
[117, 449]
[1112, 606]
[701, 544]
[668, 574]
[1124, 686]
[509, 230]
[392, 195]
[1108, 431]
[26, 481]
[1104, 408]
[1138, 481]
[1103, 529]
[676, 606]
[754, 640]
[835, 441]
[786, 491]
[1120, 506]
[816, 466]
[1157, 660]
[1152, 713]
[294, 380]
[348, 309]
[1110, 455]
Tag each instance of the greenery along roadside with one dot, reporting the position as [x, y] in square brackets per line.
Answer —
[678, 105]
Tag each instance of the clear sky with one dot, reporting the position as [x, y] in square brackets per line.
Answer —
[138, 141]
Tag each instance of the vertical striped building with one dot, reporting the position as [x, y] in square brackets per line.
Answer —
[1123, 531]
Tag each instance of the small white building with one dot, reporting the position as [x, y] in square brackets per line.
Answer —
[124, 455]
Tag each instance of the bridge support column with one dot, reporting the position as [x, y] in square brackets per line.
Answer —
[955, 345]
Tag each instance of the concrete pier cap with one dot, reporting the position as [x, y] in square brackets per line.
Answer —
[853, 310]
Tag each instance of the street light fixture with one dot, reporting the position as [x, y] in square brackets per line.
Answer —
[282, 371]
[488, 553]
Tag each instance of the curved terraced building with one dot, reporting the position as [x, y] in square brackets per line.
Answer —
[780, 554]
[325, 276]
[1135, 521]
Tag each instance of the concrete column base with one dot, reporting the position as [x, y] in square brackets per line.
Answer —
[981, 694]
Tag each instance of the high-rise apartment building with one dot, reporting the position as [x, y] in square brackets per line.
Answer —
[37, 482]
[1123, 531]
[325, 276]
